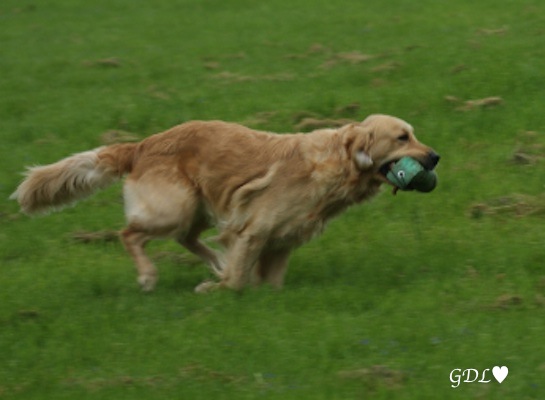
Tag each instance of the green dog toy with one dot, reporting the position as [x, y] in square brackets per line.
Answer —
[409, 174]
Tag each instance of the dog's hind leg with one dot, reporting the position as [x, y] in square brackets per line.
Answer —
[154, 209]
[134, 241]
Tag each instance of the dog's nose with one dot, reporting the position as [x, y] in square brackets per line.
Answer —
[433, 159]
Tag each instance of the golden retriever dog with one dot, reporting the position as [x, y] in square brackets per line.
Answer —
[266, 193]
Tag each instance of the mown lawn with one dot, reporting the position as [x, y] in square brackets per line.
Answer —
[393, 297]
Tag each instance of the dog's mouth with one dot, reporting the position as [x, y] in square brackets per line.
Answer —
[387, 167]
[383, 171]
[428, 163]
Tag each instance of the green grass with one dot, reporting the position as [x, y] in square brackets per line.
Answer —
[420, 284]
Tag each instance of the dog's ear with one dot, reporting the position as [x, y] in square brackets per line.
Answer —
[358, 139]
[363, 161]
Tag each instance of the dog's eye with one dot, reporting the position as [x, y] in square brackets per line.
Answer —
[404, 137]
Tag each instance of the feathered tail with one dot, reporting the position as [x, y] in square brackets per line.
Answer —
[53, 186]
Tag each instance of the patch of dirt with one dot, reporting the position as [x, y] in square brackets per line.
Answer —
[539, 300]
[470, 105]
[201, 373]
[493, 32]
[49, 138]
[515, 205]
[191, 372]
[231, 77]
[507, 301]
[301, 115]
[458, 68]
[348, 110]
[10, 217]
[530, 148]
[376, 376]
[386, 67]
[94, 237]
[211, 65]
[352, 57]
[305, 121]
[28, 314]
[310, 124]
[314, 50]
[158, 93]
[96, 384]
[118, 136]
[259, 119]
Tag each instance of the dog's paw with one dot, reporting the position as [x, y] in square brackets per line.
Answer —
[207, 287]
[147, 282]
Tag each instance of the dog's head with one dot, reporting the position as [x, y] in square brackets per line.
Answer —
[380, 140]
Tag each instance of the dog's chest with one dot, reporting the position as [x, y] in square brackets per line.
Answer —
[298, 231]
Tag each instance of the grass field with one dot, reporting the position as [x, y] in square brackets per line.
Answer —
[393, 297]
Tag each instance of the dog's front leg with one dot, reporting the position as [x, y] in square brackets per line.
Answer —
[272, 267]
[241, 258]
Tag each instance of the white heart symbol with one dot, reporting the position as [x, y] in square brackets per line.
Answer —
[500, 373]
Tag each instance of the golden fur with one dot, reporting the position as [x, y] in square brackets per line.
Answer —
[266, 193]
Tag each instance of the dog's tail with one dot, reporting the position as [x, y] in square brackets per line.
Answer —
[53, 186]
